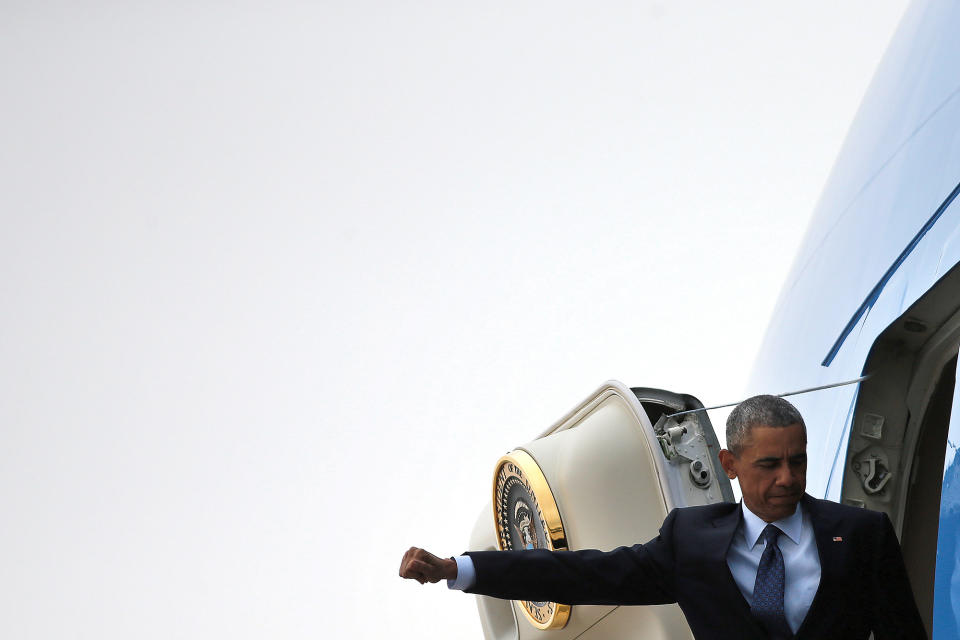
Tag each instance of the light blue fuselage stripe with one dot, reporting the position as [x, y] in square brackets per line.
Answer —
[878, 288]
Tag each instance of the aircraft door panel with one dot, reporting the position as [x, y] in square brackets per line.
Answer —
[601, 477]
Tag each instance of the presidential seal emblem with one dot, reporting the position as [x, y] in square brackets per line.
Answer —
[526, 517]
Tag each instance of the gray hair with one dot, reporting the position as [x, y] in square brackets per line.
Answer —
[759, 411]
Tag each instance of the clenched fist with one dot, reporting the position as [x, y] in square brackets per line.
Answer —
[423, 566]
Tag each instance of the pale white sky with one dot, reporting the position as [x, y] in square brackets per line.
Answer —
[282, 281]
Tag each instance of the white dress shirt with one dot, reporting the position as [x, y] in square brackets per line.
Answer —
[801, 562]
[466, 574]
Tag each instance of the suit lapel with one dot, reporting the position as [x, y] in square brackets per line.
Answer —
[718, 540]
[831, 555]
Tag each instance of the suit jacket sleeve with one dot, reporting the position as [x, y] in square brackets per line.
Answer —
[895, 614]
[641, 574]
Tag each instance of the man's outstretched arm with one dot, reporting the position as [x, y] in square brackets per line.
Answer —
[642, 574]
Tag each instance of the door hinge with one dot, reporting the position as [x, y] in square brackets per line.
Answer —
[683, 443]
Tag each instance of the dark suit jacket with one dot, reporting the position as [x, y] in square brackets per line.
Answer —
[863, 582]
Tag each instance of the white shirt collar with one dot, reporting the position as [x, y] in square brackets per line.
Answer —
[753, 525]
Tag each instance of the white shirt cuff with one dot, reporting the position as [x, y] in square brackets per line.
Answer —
[466, 574]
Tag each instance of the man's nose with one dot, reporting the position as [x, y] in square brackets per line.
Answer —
[784, 476]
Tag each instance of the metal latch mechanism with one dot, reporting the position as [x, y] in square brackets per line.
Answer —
[683, 443]
[873, 469]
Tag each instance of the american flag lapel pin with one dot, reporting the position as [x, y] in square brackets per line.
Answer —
[838, 538]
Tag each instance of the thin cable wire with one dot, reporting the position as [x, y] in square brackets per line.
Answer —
[779, 395]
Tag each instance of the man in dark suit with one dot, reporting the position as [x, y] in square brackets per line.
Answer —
[779, 565]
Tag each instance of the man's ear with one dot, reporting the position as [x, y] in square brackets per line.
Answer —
[729, 462]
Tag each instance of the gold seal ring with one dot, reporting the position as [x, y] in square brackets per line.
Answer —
[526, 516]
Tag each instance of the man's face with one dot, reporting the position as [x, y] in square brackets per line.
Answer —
[771, 469]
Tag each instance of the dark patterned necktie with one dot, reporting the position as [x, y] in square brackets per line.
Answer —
[767, 606]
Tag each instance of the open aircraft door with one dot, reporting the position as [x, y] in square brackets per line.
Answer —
[604, 476]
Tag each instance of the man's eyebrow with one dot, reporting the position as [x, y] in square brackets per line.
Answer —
[767, 459]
